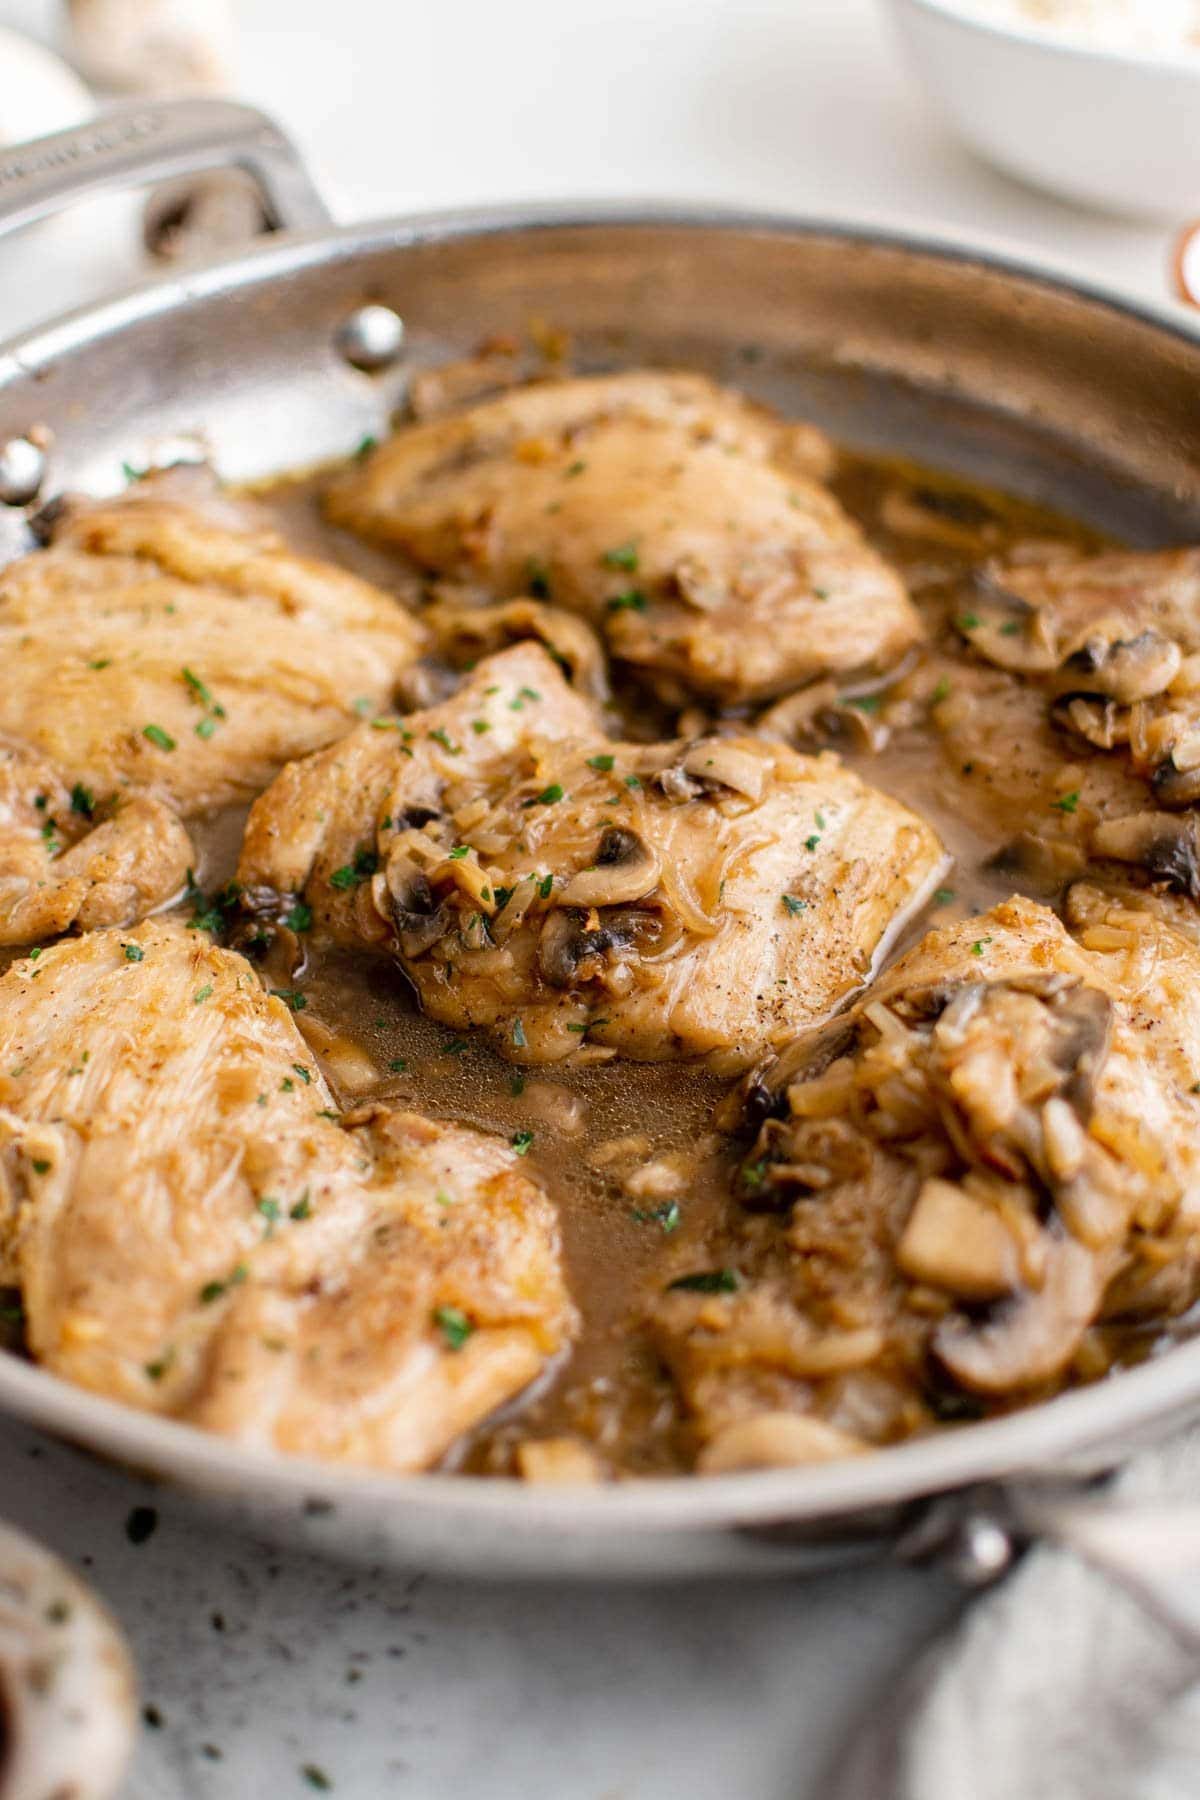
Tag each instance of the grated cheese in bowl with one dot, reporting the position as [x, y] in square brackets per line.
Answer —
[1139, 27]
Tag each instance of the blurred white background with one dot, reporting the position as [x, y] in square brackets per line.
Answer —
[801, 105]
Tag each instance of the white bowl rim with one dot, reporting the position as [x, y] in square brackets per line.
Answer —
[958, 11]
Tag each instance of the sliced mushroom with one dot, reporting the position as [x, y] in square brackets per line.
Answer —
[568, 952]
[1167, 848]
[1007, 630]
[1122, 669]
[678, 786]
[1042, 863]
[1101, 723]
[478, 630]
[799, 717]
[513, 912]
[626, 869]
[716, 763]
[1174, 787]
[1031, 1338]
[419, 920]
[954, 1240]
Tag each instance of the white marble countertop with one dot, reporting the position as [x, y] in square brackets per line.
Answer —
[255, 1664]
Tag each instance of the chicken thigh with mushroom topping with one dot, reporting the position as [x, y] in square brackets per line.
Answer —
[194, 1232]
[160, 662]
[1108, 647]
[953, 1185]
[573, 894]
[687, 524]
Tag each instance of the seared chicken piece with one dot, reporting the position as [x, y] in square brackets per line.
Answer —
[66, 862]
[194, 1232]
[1110, 646]
[683, 522]
[533, 878]
[153, 654]
[997, 1148]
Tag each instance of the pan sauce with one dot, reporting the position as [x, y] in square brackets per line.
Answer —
[601, 1136]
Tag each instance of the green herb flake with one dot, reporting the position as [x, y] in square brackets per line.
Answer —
[794, 905]
[707, 1281]
[1068, 803]
[549, 796]
[546, 886]
[944, 896]
[456, 1047]
[479, 726]
[459, 851]
[633, 600]
[213, 1290]
[303, 1207]
[575, 468]
[866, 703]
[364, 446]
[667, 1215]
[101, 662]
[516, 1086]
[268, 1206]
[968, 622]
[518, 1034]
[624, 556]
[603, 763]
[292, 998]
[811, 843]
[154, 734]
[632, 781]
[941, 692]
[316, 1777]
[202, 994]
[453, 1324]
[299, 918]
[205, 727]
[441, 736]
[40, 1166]
[304, 1074]
[83, 800]
[977, 948]
[398, 1065]
[522, 1142]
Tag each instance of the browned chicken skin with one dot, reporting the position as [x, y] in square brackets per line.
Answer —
[194, 1232]
[576, 896]
[998, 1147]
[683, 522]
[157, 663]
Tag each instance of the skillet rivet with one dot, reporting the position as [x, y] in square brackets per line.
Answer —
[371, 338]
[980, 1552]
[22, 471]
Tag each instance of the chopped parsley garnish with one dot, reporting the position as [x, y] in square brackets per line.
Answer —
[754, 1174]
[162, 740]
[793, 905]
[268, 1206]
[304, 1074]
[441, 736]
[575, 468]
[867, 703]
[453, 1324]
[398, 1065]
[546, 886]
[131, 472]
[213, 1290]
[810, 843]
[299, 918]
[40, 1166]
[303, 1207]
[633, 600]
[133, 952]
[459, 851]
[549, 796]
[293, 998]
[624, 556]
[361, 869]
[196, 688]
[707, 1281]
[941, 692]
[456, 1047]
[49, 837]
[1010, 629]
[944, 896]
[316, 1778]
[100, 662]
[518, 1034]
[522, 1142]
[667, 1214]
[203, 993]
[603, 763]
[632, 781]
[205, 727]
[968, 622]
[83, 800]
[977, 948]
[365, 446]
[1068, 803]
[157, 1369]
[516, 1086]
[537, 579]
[479, 726]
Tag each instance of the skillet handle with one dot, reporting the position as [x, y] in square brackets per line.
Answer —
[134, 146]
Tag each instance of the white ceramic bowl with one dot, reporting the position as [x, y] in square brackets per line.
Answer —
[1113, 129]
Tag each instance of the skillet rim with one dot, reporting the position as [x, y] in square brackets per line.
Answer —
[1038, 1440]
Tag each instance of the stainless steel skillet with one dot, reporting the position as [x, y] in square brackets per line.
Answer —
[1000, 370]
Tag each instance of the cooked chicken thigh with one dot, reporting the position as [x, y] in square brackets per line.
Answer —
[953, 1183]
[681, 520]
[155, 655]
[535, 879]
[194, 1232]
[1108, 649]
[66, 862]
